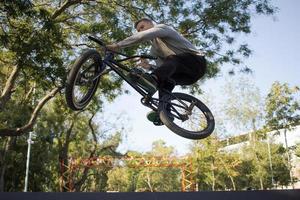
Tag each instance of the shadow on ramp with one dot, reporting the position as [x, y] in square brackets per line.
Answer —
[239, 195]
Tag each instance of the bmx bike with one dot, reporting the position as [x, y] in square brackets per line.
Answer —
[183, 114]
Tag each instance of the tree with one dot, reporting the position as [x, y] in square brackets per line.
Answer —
[124, 177]
[297, 150]
[216, 168]
[282, 112]
[161, 179]
[259, 174]
[51, 33]
[297, 153]
[119, 179]
[39, 39]
[151, 171]
[243, 106]
[282, 107]
[29, 57]
[62, 134]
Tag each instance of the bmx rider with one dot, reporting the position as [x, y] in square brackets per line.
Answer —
[178, 63]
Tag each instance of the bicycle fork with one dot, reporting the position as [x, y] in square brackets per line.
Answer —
[188, 111]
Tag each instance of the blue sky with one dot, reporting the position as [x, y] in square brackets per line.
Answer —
[276, 56]
[276, 46]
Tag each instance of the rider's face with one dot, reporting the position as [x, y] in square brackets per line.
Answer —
[144, 25]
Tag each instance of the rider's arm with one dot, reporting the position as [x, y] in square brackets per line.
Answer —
[157, 31]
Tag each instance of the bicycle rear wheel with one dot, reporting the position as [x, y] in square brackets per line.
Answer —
[82, 80]
[186, 116]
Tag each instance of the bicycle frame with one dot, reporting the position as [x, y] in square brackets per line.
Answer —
[173, 108]
[119, 68]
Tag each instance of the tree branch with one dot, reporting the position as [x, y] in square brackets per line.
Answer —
[26, 128]
[8, 89]
[28, 94]
[127, 8]
[64, 7]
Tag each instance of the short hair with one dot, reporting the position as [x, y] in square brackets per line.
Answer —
[141, 20]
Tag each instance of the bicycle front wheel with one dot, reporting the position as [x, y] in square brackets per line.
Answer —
[186, 116]
[82, 80]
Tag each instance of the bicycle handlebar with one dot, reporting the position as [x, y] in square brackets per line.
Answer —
[148, 57]
[101, 43]
[97, 40]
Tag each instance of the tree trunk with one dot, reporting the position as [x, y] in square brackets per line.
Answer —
[213, 177]
[84, 176]
[261, 183]
[3, 168]
[288, 158]
[64, 162]
[3, 164]
[228, 173]
[254, 150]
[233, 183]
[148, 181]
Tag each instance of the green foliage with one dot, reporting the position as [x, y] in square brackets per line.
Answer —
[36, 42]
[119, 180]
[243, 105]
[297, 151]
[60, 134]
[133, 176]
[159, 179]
[41, 35]
[40, 39]
[219, 168]
[282, 107]
[215, 169]
[260, 171]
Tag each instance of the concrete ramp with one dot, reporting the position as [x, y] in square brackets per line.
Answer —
[240, 195]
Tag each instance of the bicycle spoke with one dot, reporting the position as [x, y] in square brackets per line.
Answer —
[192, 120]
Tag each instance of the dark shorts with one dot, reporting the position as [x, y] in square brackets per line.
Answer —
[184, 69]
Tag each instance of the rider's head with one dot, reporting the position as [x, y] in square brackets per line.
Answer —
[143, 24]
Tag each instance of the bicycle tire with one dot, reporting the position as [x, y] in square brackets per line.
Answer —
[72, 76]
[164, 115]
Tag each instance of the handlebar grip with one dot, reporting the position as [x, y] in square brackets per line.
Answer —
[96, 40]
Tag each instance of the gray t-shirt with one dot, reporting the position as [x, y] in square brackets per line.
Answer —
[165, 41]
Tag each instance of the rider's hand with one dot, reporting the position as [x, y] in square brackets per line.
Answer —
[113, 47]
[144, 63]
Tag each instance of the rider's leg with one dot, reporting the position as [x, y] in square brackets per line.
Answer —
[183, 69]
[165, 71]
[193, 69]
[165, 84]
[154, 116]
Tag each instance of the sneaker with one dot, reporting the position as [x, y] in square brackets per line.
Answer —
[154, 118]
